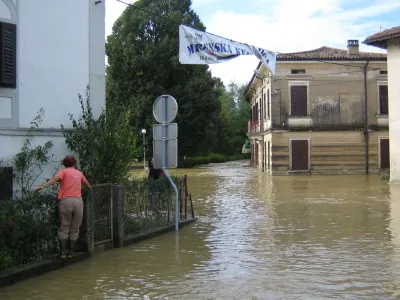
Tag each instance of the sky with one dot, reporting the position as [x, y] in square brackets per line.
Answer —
[284, 26]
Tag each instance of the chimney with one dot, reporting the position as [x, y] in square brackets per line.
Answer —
[353, 47]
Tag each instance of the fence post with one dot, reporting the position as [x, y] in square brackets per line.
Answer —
[186, 195]
[118, 193]
[191, 205]
[90, 222]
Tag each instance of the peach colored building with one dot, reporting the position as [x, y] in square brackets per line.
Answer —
[390, 40]
[324, 111]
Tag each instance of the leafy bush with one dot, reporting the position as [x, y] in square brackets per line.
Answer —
[212, 158]
[30, 161]
[217, 158]
[28, 230]
[105, 145]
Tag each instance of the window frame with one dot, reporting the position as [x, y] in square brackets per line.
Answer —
[382, 83]
[298, 71]
[9, 92]
[268, 100]
[299, 83]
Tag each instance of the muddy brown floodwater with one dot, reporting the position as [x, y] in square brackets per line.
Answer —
[257, 237]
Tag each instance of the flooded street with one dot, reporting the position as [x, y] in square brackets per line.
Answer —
[257, 237]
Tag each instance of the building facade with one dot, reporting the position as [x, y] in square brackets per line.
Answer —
[324, 111]
[390, 40]
[50, 51]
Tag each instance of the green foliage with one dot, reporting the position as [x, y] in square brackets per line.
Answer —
[143, 64]
[31, 160]
[28, 230]
[213, 158]
[234, 119]
[105, 145]
[28, 226]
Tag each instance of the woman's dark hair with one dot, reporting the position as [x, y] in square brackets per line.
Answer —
[69, 161]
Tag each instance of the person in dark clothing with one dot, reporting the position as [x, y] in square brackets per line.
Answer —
[154, 173]
[154, 195]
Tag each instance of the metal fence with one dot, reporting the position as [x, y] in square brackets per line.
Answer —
[28, 227]
[147, 205]
[150, 204]
[28, 230]
[103, 213]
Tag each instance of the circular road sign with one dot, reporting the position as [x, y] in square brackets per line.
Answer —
[165, 109]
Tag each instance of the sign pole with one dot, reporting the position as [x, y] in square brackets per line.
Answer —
[164, 158]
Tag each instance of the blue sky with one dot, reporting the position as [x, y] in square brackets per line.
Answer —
[284, 25]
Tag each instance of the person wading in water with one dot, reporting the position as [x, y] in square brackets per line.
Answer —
[70, 203]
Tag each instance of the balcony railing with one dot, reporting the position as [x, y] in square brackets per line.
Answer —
[254, 126]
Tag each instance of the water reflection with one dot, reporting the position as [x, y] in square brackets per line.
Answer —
[258, 237]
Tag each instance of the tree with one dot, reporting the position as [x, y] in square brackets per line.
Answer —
[143, 64]
[106, 145]
[234, 117]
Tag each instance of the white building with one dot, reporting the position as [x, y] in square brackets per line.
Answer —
[390, 40]
[50, 51]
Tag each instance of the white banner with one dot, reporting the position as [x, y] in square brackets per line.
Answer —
[201, 48]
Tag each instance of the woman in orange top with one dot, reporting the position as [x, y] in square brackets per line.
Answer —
[70, 205]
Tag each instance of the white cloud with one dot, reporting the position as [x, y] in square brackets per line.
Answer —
[113, 10]
[292, 25]
[282, 26]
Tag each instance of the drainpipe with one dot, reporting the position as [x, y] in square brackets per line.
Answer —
[366, 133]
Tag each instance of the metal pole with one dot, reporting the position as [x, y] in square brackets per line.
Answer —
[144, 152]
[366, 133]
[164, 159]
[176, 199]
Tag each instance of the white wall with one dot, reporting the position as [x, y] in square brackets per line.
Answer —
[60, 50]
[394, 108]
[54, 58]
[15, 142]
[97, 55]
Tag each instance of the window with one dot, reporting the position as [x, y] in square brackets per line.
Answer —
[298, 100]
[268, 106]
[383, 72]
[265, 156]
[383, 100]
[256, 155]
[265, 105]
[295, 71]
[6, 183]
[8, 33]
[269, 155]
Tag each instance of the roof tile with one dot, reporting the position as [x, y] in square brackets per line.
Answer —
[328, 53]
[383, 35]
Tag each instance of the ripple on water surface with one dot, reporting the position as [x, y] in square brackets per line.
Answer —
[257, 237]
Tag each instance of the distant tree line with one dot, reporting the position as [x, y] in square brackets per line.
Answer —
[143, 64]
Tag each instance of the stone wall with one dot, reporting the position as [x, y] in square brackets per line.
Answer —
[330, 152]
